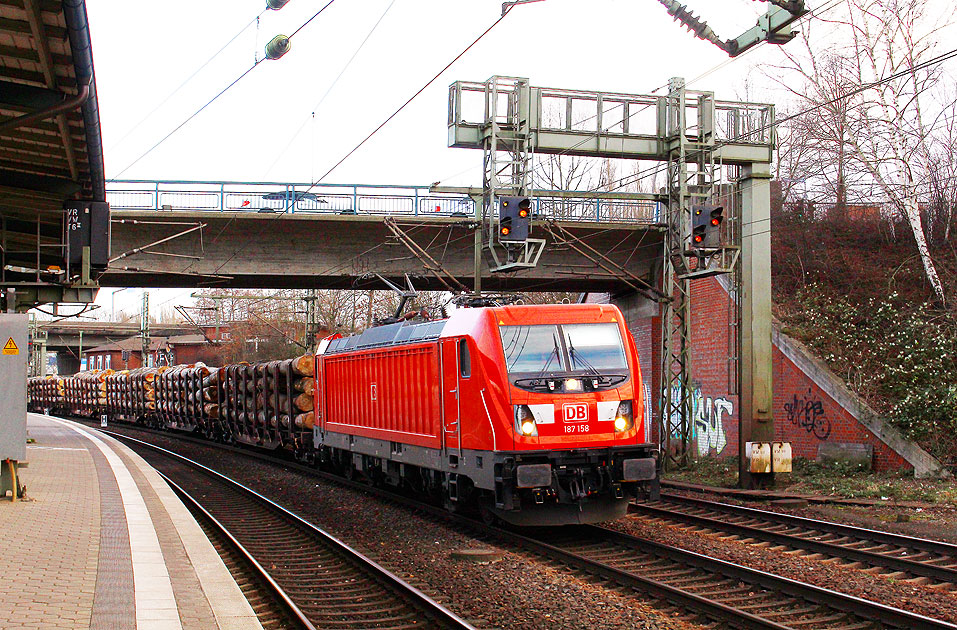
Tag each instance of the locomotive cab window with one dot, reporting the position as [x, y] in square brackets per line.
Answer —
[533, 349]
[465, 362]
[591, 348]
[594, 346]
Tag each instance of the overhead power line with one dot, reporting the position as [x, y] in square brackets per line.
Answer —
[329, 89]
[655, 170]
[187, 80]
[413, 97]
[191, 116]
[374, 131]
[813, 13]
[220, 93]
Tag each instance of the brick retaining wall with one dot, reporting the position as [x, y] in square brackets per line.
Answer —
[811, 404]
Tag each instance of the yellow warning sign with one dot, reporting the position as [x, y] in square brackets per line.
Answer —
[10, 347]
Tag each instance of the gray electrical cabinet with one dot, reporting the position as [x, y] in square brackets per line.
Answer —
[14, 354]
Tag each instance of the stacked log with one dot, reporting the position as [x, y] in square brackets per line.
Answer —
[269, 404]
[85, 392]
[305, 367]
[131, 394]
[45, 392]
[180, 400]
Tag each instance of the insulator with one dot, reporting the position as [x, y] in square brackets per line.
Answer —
[275, 5]
[277, 47]
[699, 27]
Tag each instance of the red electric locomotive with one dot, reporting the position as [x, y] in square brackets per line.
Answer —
[535, 413]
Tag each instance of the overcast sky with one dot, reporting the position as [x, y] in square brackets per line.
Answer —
[143, 51]
[263, 129]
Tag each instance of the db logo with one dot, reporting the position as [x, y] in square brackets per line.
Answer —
[575, 412]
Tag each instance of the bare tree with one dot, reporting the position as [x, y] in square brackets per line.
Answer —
[942, 180]
[883, 133]
[283, 312]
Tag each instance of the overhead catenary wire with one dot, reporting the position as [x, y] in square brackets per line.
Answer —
[214, 98]
[657, 169]
[186, 81]
[191, 116]
[412, 98]
[382, 125]
[314, 16]
[812, 14]
[374, 131]
[853, 92]
[357, 147]
[329, 89]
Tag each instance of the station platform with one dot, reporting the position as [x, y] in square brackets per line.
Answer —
[103, 543]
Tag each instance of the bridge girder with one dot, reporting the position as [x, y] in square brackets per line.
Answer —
[344, 251]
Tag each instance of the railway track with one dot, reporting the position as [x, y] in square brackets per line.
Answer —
[321, 581]
[721, 591]
[263, 599]
[892, 555]
[697, 586]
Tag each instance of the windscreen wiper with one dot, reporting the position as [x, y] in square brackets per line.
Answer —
[576, 358]
[554, 353]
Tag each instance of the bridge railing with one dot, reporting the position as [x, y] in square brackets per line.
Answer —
[348, 199]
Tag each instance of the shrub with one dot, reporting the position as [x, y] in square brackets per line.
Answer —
[898, 356]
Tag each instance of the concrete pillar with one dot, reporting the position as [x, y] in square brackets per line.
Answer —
[757, 420]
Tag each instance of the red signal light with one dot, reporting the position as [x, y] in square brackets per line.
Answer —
[524, 208]
[505, 231]
[715, 221]
[698, 238]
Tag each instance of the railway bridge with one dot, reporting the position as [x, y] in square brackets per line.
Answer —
[278, 235]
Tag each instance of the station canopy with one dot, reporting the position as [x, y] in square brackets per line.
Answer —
[50, 144]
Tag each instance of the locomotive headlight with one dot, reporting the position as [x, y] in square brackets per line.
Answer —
[525, 421]
[573, 385]
[624, 418]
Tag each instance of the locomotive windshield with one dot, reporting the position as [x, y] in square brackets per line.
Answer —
[594, 346]
[532, 349]
[542, 349]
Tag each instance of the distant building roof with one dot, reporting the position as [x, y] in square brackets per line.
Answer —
[134, 344]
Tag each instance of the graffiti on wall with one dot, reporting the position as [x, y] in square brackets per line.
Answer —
[807, 412]
[707, 420]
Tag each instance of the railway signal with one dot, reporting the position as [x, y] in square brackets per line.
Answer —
[514, 219]
[706, 227]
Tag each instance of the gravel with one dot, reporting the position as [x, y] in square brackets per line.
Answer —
[929, 520]
[521, 591]
[899, 594]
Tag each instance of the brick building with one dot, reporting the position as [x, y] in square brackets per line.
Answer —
[173, 350]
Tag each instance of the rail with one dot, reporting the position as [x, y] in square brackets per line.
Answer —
[269, 534]
[353, 199]
[903, 555]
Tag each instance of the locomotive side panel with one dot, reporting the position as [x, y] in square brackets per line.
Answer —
[485, 409]
[390, 394]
